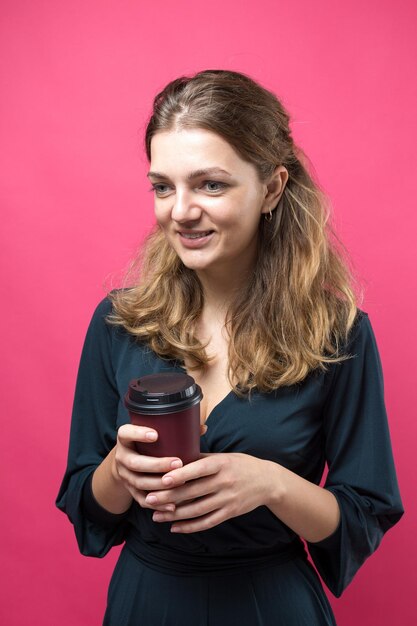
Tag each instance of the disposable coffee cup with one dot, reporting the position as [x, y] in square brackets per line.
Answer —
[169, 402]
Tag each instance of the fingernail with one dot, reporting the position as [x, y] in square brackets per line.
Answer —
[151, 436]
[167, 480]
[170, 507]
[176, 463]
[151, 499]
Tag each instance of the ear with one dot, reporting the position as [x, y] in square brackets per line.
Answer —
[274, 188]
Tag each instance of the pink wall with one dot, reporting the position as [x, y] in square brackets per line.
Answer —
[77, 79]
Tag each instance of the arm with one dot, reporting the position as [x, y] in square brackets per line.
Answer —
[108, 488]
[361, 474]
[309, 510]
[104, 473]
[237, 483]
[92, 437]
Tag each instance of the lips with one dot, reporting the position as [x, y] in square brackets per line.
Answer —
[194, 239]
[195, 234]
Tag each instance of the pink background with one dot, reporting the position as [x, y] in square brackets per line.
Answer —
[77, 80]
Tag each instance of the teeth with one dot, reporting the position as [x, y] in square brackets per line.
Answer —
[196, 235]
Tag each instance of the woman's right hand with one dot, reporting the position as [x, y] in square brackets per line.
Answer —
[139, 473]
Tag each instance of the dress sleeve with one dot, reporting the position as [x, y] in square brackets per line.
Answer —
[361, 471]
[93, 434]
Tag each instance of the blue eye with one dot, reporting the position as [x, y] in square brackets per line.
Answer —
[213, 186]
[156, 188]
[220, 186]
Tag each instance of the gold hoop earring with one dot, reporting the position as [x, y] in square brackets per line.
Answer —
[269, 217]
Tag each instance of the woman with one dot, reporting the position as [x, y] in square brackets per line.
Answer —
[243, 287]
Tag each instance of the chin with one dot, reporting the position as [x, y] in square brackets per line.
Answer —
[195, 265]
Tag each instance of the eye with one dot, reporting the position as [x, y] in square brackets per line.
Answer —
[214, 185]
[157, 188]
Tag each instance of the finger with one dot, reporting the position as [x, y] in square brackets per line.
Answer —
[157, 465]
[183, 493]
[190, 510]
[130, 432]
[140, 497]
[203, 429]
[149, 483]
[142, 481]
[204, 466]
[203, 523]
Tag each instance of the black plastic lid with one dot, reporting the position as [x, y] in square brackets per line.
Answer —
[166, 392]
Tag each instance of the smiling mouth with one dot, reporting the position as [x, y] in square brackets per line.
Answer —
[196, 235]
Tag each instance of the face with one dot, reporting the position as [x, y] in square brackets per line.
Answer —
[209, 217]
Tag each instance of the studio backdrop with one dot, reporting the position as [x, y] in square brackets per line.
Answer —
[77, 81]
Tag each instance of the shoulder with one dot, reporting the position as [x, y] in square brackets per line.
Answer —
[99, 323]
[361, 332]
[361, 348]
[360, 366]
[360, 329]
[105, 306]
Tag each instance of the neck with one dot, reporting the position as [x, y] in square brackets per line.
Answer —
[220, 289]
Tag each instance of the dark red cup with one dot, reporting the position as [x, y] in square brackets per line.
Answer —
[169, 402]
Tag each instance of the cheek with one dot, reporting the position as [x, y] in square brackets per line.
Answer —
[161, 215]
[247, 220]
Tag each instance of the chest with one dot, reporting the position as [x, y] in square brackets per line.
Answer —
[213, 380]
[284, 426]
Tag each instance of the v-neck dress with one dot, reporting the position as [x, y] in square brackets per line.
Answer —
[252, 569]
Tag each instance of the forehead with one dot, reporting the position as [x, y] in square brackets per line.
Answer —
[191, 147]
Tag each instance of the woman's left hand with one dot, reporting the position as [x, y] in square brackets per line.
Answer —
[225, 484]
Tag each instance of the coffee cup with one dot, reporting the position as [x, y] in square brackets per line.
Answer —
[168, 402]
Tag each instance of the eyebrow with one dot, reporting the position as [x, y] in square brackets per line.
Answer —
[191, 175]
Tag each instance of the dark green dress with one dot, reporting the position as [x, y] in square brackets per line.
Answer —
[251, 570]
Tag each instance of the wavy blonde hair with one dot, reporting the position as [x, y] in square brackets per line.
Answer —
[299, 305]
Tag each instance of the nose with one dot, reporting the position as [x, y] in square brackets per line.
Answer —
[185, 207]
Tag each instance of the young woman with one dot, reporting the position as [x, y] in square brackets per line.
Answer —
[242, 286]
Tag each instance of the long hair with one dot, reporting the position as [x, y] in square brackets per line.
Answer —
[296, 311]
